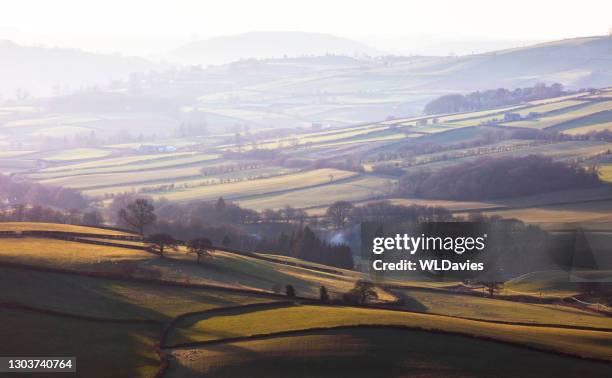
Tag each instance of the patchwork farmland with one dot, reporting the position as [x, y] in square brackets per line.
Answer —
[153, 314]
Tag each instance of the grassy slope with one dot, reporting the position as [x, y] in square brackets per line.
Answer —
[550, 282]
[65, 254]
[109, 298]
[254, 187]
[201, 328]
[441, 302]
[41, 226]
[100, 348]
[225, 269]
[78, 154]
[360, 188]
[371, 353]
[558, 118]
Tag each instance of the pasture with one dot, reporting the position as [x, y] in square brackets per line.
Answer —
[359, 188]
[237, 323]
[76, 154]
[367, 352]
[261, 186]
[71, 311]
[42, 226]
[128, 350]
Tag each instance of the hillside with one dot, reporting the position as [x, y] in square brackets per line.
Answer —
[42, 71]
[191, 319]
[260, 45]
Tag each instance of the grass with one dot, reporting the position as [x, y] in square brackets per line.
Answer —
[120, 182]
[41, 226]
[12, 154]
[239, 323]
[549, 107]
[78, 154]
[589, 129]
[48, 121]
[65, 254]
[100, 348]
[118, 161]
[447, 303]
[261, 186]
[223, 269]
[552, 282]
[369, 352]
[559, 118]
[58, 131]
[498, 112]
[599, 211]
[359, 188]
[109, 298]
[605, 172]
[246, 272]
[560, 151]
[151, 164]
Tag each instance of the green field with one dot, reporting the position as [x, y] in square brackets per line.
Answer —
[76, 154]
[42, 226]
[245, 323]
[363, 346]
[108, 298]
[606, 172]
[222, 269]
[255, 187]
[444, 302]
[551, 283]
[559, 118]
[359, 188]
[126, 350]
[367, 352]
[116, 162]
[138, 165]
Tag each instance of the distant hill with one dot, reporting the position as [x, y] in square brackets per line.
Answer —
[577, 62]
[267, 45]
[39, 69]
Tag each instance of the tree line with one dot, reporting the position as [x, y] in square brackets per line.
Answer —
[491, 178]
[480, 100]
[14, 192]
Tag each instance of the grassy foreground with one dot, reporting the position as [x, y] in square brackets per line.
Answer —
[101, 349]
[372, 353]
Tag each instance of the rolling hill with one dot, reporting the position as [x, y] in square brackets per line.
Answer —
[260, 45]
[38, 70]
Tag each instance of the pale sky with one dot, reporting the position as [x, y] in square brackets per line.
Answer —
[495, 19]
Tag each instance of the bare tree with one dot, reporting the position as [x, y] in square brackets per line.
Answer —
[340, 213]
[201, 247]
[138, 214]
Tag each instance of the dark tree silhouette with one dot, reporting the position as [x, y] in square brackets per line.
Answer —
[290, 291]
[159, 243]
[492, 287]
[226, 241]
[323, 294]
[363, 292]
[201, 247]
[138, 214]
[220, 205]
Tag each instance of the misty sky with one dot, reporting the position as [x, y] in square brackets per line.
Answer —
[62, 21]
